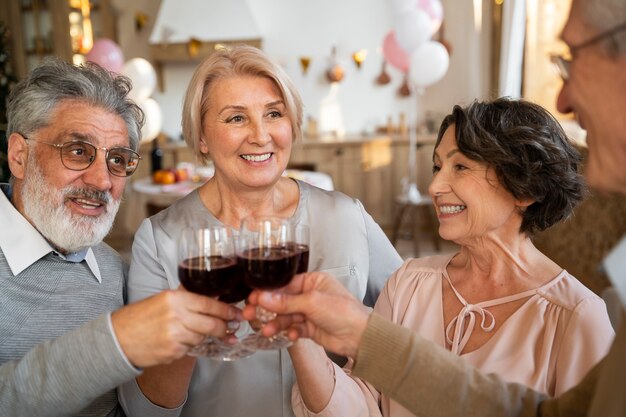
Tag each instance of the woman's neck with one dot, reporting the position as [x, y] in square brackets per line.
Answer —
[231, 204]
[510, 268]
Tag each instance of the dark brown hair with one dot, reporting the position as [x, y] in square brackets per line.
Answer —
[532, 156]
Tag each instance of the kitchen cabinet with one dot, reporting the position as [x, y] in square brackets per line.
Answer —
[63, 28]
[369, 168]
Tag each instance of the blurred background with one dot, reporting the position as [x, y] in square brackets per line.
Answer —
[376, 78]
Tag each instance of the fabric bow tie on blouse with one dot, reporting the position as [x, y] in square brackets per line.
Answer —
[462, 334]
[457, 334]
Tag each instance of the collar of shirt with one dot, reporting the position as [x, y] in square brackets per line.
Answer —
[615, 267]
[23, 245]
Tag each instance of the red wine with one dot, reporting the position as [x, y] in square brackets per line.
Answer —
[238, 293]
[302, 252]
[268, 268]
[211, 275]
[303, 257]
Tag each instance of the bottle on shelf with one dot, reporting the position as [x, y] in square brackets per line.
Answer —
[403, 127]
[311, 127]
[156, 156]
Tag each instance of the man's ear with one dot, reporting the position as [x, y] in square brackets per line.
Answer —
[18, 155]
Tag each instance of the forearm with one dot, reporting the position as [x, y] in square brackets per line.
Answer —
[167, 385]
[314, 374]
[64, 375]
[431, 381]
[161, 391]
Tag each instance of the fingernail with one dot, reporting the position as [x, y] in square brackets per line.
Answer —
[232, 326]
[269, 297]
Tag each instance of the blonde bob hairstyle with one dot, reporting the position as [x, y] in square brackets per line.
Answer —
[240, 60]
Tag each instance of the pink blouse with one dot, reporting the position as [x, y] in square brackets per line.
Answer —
[549, 343]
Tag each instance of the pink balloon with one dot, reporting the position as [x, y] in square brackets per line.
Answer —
[393, 52]
[107, 54]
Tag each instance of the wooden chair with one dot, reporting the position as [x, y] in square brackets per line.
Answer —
[303, 166]
[420, 215]
[153, 208]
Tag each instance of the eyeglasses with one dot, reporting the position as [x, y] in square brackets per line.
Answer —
[78, 155]
[562, 62]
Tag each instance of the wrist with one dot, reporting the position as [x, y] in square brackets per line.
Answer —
[358, 329]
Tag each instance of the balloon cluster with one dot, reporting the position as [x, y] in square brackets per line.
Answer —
[409, 47]
[108, 55]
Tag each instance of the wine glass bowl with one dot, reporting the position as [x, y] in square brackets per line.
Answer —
[269, 268]
[207, 265]
[212, 275]
[302, 247]
[268, 257]
[237, 293]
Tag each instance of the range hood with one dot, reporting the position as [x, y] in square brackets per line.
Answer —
[190, 30]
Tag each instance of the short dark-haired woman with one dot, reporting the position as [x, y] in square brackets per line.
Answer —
[501, 171]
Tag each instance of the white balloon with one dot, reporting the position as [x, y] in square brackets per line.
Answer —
[413, 28]
[402, 6]
[153, 119]
[143, 76]
[428, 64]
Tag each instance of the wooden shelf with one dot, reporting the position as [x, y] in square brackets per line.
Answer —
[32, 52]
[183, 52]
[46, 22]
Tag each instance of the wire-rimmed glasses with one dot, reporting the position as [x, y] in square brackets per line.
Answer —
[563, 61]
[78, 155]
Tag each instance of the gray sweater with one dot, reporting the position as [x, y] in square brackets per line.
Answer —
[58, 354]
[344, 241]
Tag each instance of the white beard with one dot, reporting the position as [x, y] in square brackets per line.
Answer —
[45, 206]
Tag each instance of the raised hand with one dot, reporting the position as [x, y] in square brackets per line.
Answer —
[162, 328]
[316, 306]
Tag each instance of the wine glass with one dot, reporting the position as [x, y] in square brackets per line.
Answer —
[301, 240]
[208, 266]
[268, 258]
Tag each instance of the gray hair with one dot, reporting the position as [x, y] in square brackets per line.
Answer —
[604, 15]
[32, 101]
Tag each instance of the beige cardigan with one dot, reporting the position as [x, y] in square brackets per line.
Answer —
[432, 382]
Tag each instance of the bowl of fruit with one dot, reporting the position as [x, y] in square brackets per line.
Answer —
[170, 176]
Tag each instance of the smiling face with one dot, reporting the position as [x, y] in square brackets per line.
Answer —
[470, 201]
[595, 93]
[246, 132]
[72, 209]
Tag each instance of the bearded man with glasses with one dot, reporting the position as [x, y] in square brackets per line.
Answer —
[72, 139]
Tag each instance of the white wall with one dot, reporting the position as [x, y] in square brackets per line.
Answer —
[292, 28]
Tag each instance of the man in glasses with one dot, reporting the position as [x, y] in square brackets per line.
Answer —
[72, 135]
[430, 381]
